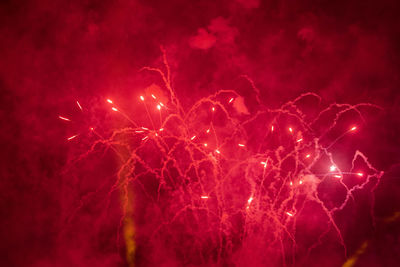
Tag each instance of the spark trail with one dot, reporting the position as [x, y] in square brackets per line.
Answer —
[223, 187]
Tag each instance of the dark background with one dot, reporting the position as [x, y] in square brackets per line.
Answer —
[55, 52]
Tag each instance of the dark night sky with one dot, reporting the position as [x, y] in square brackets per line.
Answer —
[55, 52]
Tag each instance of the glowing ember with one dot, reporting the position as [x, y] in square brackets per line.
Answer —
[79, 105]
[72, 137]
[63, 118]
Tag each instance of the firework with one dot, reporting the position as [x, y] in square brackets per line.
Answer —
[224, 186]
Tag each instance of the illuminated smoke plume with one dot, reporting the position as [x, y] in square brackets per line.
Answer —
[216, 184]
[226, 160]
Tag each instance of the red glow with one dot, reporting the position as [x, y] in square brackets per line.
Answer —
[243, 133]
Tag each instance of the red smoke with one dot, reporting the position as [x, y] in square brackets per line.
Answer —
[56, 211]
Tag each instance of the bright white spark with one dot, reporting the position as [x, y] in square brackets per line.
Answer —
[332, 168]
[264, 164]
[241, 145]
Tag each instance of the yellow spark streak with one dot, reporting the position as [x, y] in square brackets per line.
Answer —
[79, 105]
[63, 118]
[72, 137]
